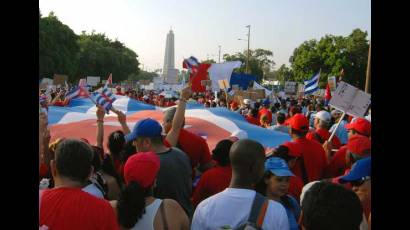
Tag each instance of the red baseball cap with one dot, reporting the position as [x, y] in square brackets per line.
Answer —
[298, 122]
[142, 168]
[294, 149]
[234, 104]
[360, 125]
[359, 145]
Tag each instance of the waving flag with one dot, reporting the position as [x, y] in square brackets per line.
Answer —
[77, 91]
[105, 98]
[78, 120]
[312, 85]
[190, 62]
[109, 81]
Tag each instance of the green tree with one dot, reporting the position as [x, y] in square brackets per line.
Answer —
[260, 62]
[57, 47]
[284, 74]
[331, 54]
[209, 61]
[100, 56]
[142, 75]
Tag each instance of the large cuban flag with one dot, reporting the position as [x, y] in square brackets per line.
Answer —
[78, 120]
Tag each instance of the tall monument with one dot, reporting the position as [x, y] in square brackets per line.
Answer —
[169, 72]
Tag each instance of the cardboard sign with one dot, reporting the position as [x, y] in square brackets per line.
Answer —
[257, 93]
[59, 79]
[290, 87]
[351, 100]
[223, 84]
[332, 83]
[93, 81]
[206, 83]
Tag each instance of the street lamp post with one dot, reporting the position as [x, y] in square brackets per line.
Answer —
[219, 56]
[249, 34]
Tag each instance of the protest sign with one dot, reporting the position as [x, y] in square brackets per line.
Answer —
[223, 84]
[351, 100]
[59, 79]
[93, 81]
[290, 87]
[332, 83]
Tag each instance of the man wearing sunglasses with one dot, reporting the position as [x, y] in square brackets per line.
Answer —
[360, 180]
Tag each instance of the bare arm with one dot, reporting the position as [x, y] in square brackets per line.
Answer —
[56, 98]
[179, 117]
[175, 214]
[100, 126]
[122, 119]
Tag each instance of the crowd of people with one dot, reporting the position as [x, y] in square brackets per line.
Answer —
[161, 176]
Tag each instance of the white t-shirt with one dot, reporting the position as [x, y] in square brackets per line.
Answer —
[231, 207]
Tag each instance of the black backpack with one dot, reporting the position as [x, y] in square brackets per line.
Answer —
[257, 214]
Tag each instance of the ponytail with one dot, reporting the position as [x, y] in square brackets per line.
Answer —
[131, 204]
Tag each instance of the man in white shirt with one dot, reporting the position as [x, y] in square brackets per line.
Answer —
[230, 208]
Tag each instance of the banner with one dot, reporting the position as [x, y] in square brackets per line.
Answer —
[351, 100]
[290, 87]
[93, 81]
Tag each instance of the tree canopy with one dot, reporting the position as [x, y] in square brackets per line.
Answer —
[64, 52]
[330, 55]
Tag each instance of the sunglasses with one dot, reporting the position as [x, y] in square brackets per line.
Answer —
[359, 182]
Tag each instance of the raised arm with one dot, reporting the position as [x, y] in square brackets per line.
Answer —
[100, 126]
[122, 119]
[179, 117]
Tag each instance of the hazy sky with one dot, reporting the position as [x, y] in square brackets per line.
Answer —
[200, 26]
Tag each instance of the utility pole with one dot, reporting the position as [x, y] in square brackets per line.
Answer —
[219, 56]
[249, 34]
[367, 86]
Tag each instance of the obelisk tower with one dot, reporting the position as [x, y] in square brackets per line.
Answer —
[169, 72]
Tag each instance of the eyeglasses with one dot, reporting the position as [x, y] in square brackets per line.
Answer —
[359, 182]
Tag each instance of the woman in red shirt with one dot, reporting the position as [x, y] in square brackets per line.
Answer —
[216, 179]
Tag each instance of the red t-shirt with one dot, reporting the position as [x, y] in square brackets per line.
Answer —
[324, 134]
[295, 187]
[169, 103]
[59, 103]
[267, 112]
[72, 208]
[195, 147]
[252, 120]
[43, 170]
[213, 181]
[314, 157]
[337, 164]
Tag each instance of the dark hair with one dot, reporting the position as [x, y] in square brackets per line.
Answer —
[213, 104]
[257, 105]
[96, 158]
[74, 159]
[328, 206]
[283, 152]
[116, 141]
[107, 166]
[131, 204]
[280, 117]
[277, 105]
[129, 150]
[221, 152]
[300, 133]
[208, 104]
[261, 187]
[254, 112]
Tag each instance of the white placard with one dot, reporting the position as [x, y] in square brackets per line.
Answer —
[351, 100]
[290, 87]
[332, 83]
[93, 81]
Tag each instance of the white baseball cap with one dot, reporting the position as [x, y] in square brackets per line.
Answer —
[246, 101]
[323, 116]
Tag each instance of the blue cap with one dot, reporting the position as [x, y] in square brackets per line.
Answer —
[277, 166]
[145, 128]
[266, 102]
[360, 169]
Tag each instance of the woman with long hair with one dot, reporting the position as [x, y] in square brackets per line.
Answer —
[137, 208]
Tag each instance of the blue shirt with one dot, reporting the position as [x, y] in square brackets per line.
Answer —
[293, 220]
[341, 132]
